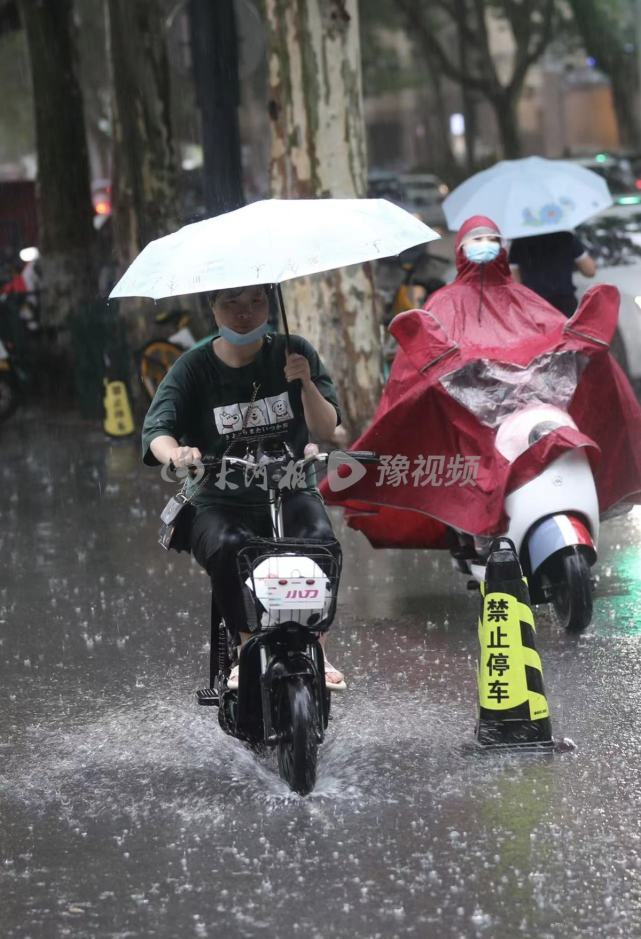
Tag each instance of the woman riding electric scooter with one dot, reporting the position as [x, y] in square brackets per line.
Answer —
[244, 385]
[505, 418]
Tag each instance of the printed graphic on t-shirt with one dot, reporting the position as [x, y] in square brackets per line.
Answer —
[228, 418]
[279, 408]
[246, 415]
[254, 415]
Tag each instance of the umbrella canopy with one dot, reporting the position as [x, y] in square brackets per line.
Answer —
[533, 196]
[269, 242]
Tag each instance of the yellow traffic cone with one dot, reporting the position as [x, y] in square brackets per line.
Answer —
[118, 418]
[513, 708]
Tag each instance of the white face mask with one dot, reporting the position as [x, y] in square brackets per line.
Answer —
[482, 250]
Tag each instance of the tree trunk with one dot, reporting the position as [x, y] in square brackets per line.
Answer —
[603, 34]
[447, 159]
[623, 80]
[505, 109]
[64, 193]
[318, 149]
[144, 185]
[466, 95]
[214, 48]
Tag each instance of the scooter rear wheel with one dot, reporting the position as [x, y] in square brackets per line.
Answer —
[572, 596]
[298, 753]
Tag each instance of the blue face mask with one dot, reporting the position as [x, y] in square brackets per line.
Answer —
[481, 252]
[243, 339]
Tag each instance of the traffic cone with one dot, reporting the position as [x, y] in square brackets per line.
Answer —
[513, 708]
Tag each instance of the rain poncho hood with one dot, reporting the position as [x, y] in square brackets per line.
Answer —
[483, 347]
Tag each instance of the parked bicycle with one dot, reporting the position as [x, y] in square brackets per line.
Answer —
[282, 700]
[416, 286]
[157, 356]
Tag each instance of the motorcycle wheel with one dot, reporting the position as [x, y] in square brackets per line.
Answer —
[572, 597]
[298, 753]
[8, 399]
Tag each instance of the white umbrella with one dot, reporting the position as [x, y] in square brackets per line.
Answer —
[269, 242]
[533, 196]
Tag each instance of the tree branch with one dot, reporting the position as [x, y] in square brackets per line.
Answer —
[484, 48]
[526, 56]
[423, 30]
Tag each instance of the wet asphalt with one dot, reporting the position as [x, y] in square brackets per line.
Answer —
[125, 812]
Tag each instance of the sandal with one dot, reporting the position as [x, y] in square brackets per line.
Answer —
[232, 679]
[338, 684]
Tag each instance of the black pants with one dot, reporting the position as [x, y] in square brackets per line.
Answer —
[566, 303]
[219, 532]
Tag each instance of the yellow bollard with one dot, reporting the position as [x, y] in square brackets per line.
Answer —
[513, 711]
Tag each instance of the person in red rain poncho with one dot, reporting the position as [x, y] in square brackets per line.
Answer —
[425, 434]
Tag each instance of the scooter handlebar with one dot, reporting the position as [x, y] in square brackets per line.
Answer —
[361, 456]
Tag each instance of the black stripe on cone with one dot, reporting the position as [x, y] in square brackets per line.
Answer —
[513, 709]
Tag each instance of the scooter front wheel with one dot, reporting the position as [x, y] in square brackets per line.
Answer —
[572, 595]
[298, 751]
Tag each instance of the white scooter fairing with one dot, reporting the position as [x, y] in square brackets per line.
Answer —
[556, 510]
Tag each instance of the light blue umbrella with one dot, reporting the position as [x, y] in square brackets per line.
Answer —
[532, 196]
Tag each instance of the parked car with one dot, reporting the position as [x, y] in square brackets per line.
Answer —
[425, 192]
[617, 172]
[420, 193]
[383, 184]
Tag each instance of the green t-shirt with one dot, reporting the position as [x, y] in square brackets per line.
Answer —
[204, 403]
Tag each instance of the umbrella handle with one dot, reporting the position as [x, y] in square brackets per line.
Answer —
[281, 304]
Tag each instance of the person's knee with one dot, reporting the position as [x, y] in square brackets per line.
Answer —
[315, 530]
[226, 549]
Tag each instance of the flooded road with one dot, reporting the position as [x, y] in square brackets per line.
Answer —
[127, 813]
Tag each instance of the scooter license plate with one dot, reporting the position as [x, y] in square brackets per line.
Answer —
[300, 593]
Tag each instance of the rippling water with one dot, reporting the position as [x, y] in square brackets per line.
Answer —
[127, 812]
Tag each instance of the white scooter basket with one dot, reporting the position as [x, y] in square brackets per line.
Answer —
[290, 589]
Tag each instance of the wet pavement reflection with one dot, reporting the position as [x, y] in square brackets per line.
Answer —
[127, 813]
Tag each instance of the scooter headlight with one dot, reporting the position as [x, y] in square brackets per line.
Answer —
[541, 430]
[524, 427]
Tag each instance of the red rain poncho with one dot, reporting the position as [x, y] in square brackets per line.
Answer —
[485, 316]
